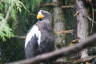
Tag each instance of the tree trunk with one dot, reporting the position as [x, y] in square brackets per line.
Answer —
[82, 25]
[58, 24]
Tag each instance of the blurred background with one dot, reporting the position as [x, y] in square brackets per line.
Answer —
[18, 16]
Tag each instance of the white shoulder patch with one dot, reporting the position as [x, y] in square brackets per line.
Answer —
[34, 31]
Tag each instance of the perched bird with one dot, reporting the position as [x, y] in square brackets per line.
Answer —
[40, 38]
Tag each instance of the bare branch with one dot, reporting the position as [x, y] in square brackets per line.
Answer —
[90, 41]
[50, 4]
[20, 37]
[64, 32]
[60, 32]
[67, 6]
[83, 60]
[56, 4]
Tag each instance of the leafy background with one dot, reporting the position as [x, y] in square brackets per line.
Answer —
[16, 18]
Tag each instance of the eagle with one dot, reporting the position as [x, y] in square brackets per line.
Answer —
[40, 38]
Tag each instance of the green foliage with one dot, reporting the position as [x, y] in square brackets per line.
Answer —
[1, 6]
[11, 7]
[35, 3]
[19, 5]
[5, 31]
[16, 17]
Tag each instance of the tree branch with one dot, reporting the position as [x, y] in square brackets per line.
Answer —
[50, 4]
[67, 6]
[90, 41]
[60, 32]
[84, 60]
[64, 32]
[53, 4]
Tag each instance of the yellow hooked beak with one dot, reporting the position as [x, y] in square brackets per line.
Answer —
[40, 15]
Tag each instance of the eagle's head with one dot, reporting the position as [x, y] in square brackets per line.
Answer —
[43, 15]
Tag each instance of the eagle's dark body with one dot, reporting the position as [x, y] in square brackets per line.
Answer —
[40, 38]
[47, 41]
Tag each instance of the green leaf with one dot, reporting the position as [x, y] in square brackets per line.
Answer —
[5, 30]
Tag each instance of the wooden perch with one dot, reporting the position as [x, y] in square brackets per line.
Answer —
[65, 51]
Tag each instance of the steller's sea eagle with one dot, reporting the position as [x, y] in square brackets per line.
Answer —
[40, 38]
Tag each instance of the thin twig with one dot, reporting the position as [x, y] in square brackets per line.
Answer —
[77, 13]
[91, 20]
[84, 60]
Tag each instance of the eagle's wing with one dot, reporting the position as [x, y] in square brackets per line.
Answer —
[32, 41]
